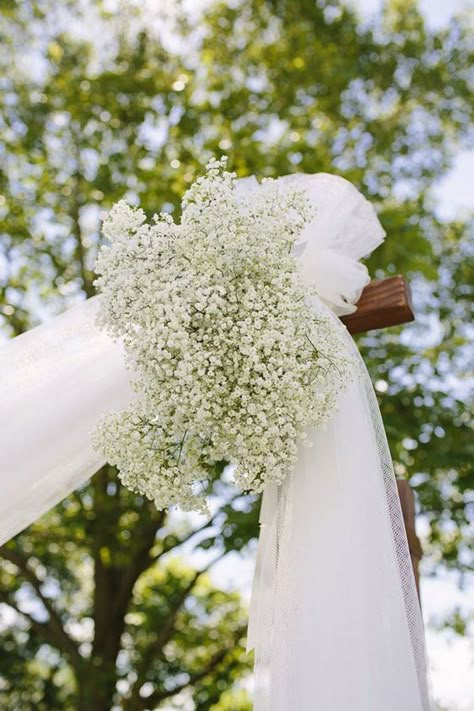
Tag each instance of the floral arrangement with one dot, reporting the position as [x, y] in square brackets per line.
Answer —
[232, 356]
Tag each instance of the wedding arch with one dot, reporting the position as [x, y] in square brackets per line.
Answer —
[279, 263]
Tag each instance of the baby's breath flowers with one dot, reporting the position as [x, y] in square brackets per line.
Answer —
[233, 356]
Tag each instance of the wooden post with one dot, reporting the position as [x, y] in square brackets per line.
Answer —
[407, 501]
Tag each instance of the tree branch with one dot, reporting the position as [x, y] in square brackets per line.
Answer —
[51, 634]
[65, 642]
[141, 560]
[195, 532]
[158, 696]
[80, 252]
[155, 649]
[114, 582]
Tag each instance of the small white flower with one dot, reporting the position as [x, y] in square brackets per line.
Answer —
[233, 355]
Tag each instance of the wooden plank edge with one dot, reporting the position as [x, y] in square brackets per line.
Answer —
[383, 303]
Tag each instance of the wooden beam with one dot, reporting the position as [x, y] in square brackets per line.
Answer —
[383, 303]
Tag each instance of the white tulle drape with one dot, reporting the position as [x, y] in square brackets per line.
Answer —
[55, 381]
[344, 230]
[334, 620]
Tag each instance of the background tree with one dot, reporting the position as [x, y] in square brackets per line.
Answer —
[102, 610]
[98, 612]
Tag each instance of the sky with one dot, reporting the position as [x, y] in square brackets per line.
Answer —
[437, 12]
[454, 193]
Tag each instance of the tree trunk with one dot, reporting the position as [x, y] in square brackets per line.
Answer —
[96, 685]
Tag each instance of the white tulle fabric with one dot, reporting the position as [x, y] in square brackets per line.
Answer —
[55, 382]
[334, 620]
[344, 230]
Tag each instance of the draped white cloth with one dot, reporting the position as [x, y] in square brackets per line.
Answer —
[55, 382]
[334, 620]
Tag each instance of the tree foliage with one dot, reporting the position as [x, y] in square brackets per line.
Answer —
[98, 609]
[103, 610]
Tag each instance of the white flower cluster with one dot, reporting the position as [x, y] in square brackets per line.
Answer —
[231, 354]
